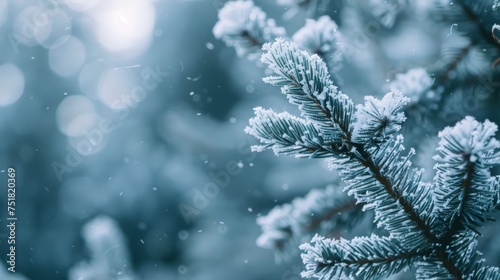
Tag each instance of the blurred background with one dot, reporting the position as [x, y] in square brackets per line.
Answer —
[174, 107]
[121, 118]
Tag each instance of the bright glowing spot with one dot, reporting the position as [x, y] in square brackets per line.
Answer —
[116, 87]
[75, 115]
[67, 59]
[125, 25]
[11, 84]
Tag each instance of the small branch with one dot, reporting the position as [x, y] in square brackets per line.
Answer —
[476, 19]
[443, 76]
[253, 41]
[409, 210]
[328, 215]
[456, 225]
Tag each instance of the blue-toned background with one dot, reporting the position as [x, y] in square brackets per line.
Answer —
[123, 109]
[120, 117]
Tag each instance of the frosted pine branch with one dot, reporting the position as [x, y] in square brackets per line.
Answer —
[476, 19]
[289, 135]
[494, 28]
[495, 186]
[323, 38]
[415, 84]
[366, 257]
[496, 5]
[245, 27]
[462, 183]
[467, 55]
[415, 224]
[323, 211]
[379, 175]
[306, 82]
[491, 273]
[378, 119]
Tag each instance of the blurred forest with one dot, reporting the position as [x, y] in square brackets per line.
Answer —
[123, 118]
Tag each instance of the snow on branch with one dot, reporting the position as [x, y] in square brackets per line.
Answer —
[323, 38]
[463, 189]
[366, 257]
[378, 119]
[492, 273]
[286, 134]
[324, 211]
[245, 27]
[306, 82]
[415, 84]
[363, 146]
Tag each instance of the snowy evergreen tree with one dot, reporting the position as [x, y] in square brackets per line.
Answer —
[431, 227]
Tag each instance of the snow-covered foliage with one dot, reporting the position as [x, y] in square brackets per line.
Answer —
[300, 138]
[370, 159]
[245, 27]
[368, 256]
[322, 211]
[470, 48]
[322, 37]
[136, 109]
[465, 191]
[495, 28]
[109, 256]
[378, 119]
[305, 80]
[415, 83]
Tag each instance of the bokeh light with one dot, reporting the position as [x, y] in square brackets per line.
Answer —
[56, 32]
[67, 59]
[76, 115]
[37, 24]
[11, 84]
[90, 75]
[132, 108]
[116, 86]
[124, 26]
